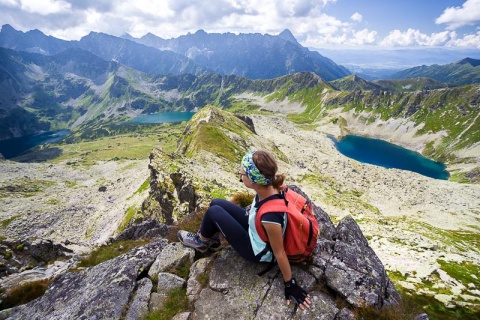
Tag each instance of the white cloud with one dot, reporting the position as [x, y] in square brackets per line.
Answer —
[10, 3]
[456, 17]
[468, 41]
[45, 7]
[364, 37]
[357, 17]
[398, 38]
[413, 37]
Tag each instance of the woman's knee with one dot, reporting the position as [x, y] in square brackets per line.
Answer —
[218, 202]
[214, 210]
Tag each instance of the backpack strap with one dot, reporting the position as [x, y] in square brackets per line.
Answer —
[270, 266]
[274, 205]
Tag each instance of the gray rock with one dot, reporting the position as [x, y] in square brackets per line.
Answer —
[182, 316]
[47, 250]
[345, 314]
[148, 229]
[193, 285]
[323, 307]
[20, 255]
[99, 292]
[168, 281]
[170, 190]
[37, 274]
[139, 307]
[248, 121]
[174, 255]
[355, 271]
[157, 301]
[422, 316]
[235, 290]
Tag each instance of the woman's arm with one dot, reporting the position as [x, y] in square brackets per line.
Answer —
[275, 237]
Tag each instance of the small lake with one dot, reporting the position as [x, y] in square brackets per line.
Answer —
[163, 117]
[387, 155]
[14, 147]
[11, 148]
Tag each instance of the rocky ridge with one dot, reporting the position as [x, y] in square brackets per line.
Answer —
[122, 288]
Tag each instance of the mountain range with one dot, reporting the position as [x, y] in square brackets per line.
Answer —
[462, 72]
[254, 56]
[50, 84]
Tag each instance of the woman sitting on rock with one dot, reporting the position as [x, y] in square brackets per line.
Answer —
[258, 171]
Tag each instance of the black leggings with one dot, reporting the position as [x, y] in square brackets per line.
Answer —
[232, 221]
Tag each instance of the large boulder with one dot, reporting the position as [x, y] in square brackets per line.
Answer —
[99, 292]
[149, 228]
[355, 271]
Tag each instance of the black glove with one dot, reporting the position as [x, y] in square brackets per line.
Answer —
[294, 292]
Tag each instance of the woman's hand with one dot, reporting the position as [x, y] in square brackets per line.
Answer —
[294, 293]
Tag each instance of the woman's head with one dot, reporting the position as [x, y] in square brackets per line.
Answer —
[261, 168]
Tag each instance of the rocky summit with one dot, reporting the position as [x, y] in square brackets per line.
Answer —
[342, 264]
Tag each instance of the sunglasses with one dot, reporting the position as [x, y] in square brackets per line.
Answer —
[241, 175]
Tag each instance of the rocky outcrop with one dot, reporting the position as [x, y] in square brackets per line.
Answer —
[19, 255]
[100, 292]
[171, 192]
[248, 121]
[346, 265]
[344, 273]
[354, 271]
[146, 229]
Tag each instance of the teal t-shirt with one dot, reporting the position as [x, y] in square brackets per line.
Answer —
[279, 218]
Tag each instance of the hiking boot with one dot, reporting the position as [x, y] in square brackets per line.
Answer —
[192, 240]
[215, 243]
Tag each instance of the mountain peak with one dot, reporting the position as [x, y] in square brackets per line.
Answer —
[7, 28]
[151, 36]
[288, 36]
[470, 61]
[127, 36]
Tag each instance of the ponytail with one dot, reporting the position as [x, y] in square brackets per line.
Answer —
[277, 181]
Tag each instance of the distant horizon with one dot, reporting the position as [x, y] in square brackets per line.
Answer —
[366, 57]
[315, 24]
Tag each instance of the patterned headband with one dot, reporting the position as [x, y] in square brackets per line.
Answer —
[252, 171]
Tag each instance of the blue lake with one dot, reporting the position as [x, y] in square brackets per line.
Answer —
[11, 148]
[163, 117]
[385, 154]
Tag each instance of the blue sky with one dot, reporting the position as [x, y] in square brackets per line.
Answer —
[315, 23]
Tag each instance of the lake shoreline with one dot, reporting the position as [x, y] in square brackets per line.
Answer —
[388, 155]
[11, 148]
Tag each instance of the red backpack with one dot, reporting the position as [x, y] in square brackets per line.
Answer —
[302, 227]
